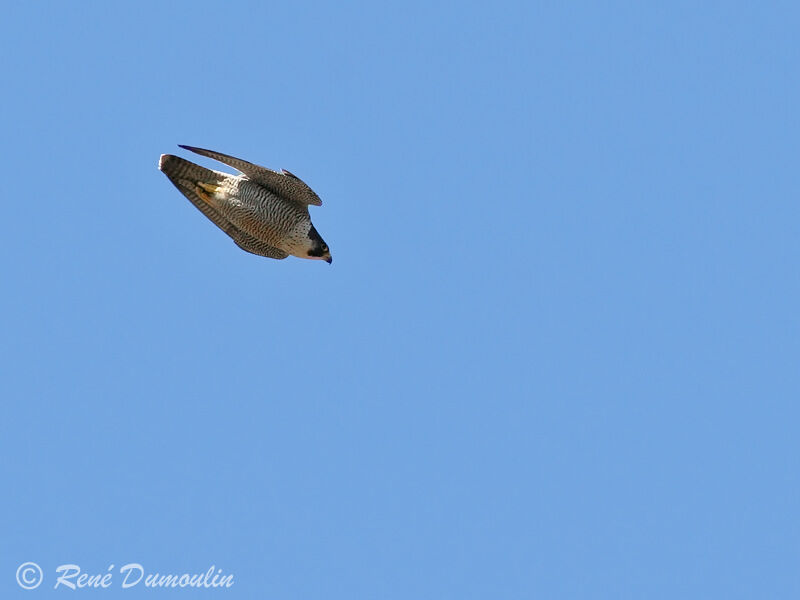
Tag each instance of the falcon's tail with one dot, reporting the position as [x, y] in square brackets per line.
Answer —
[191, 179]
[194, 182]
[182, 172]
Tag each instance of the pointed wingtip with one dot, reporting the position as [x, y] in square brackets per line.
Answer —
[196, 149]
[202, 151]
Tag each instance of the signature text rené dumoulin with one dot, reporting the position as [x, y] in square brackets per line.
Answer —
[134, 574]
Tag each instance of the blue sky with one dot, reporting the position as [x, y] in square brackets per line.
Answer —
[556, 353]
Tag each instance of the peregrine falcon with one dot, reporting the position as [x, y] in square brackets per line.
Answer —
[264, 211]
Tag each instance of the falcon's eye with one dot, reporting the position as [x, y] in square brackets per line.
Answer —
[324, 247]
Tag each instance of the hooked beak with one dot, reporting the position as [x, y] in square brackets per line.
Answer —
[329, 260]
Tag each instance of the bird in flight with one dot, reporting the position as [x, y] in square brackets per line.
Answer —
[264, 211]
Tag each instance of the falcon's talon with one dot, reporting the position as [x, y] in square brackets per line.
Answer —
[203, 195]
[209, 187]
[206, 191]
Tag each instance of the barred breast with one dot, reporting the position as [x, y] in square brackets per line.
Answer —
[262, 214]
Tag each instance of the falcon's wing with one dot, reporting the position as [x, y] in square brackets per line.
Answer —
[247, 242]
[283, 184]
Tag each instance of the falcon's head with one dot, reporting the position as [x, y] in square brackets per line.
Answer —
[319, 249]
